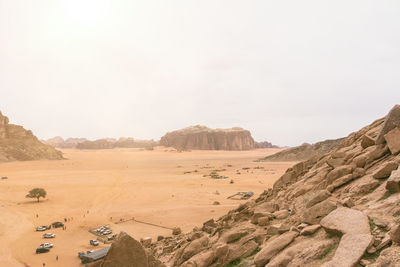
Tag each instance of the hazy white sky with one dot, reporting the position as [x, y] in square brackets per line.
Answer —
[289, 71]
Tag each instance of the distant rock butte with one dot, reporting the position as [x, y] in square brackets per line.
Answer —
[203, 138]
[105, 143]
[16, 143]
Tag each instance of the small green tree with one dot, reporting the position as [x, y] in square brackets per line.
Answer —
[37, 193]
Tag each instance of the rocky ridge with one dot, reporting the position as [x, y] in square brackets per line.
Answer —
[339, 209]
[16, 143]
[304, 151]
[203, 138]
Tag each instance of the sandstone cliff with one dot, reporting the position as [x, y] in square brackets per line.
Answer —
[338, 209]
[16, 143]
[203, 138]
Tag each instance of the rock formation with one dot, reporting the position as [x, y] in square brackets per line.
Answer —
[97, 144]
[330, 210]
[59, 142]
[203, 138]
[305, 151]
[106, 143]
[264, 144]
[16, 143]
[120, 143]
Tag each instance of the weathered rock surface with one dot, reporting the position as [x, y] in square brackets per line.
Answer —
[354, 226]
[346, 221]
[314, 214]
[16, 143]
[309, 230]
[272, 247]
[386, 170]
[392, 121]
[393, 183]
[351, 248]
[203, 138]
[392, 139]
[367, 141]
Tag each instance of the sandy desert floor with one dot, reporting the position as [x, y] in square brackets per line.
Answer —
[95, 188]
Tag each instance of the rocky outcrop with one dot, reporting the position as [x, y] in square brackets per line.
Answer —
[264, 144]
[392, 139]
[105, 143]
[203, 138]
[304, 152]
[16, 143]
[392, 121]
[330, 210]
[59, 142]
[97, 144]
[128, 252]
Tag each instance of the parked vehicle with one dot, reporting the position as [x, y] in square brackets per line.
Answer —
[81, 254]
[49, 235]
[46, 245]
[94, 242]
[42, 250]
[4, 178]
[57, 224]
[42, 228]
[107, 232]
[111, 237]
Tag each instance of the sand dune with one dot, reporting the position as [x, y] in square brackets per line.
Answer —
[93, 186]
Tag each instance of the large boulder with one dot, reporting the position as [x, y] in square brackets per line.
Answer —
[126, 252]
[272, 247]
[319, 196]
[314, 214]
[201, 137]
[367, 141]
[392, 121]
[354, 226]
[339, 172]
[392, 139]
[393, 183]
[386, 170]
[346, 221]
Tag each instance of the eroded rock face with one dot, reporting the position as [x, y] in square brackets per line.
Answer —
[273, 247]
[393, 183]
[203, 138]
[392, 121]
[392, 138]
[16, 143]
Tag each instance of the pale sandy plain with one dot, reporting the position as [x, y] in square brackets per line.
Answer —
[92, 186]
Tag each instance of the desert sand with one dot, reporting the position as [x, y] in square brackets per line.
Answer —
[90, 187]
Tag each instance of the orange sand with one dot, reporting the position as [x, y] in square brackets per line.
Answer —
[119, 183]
